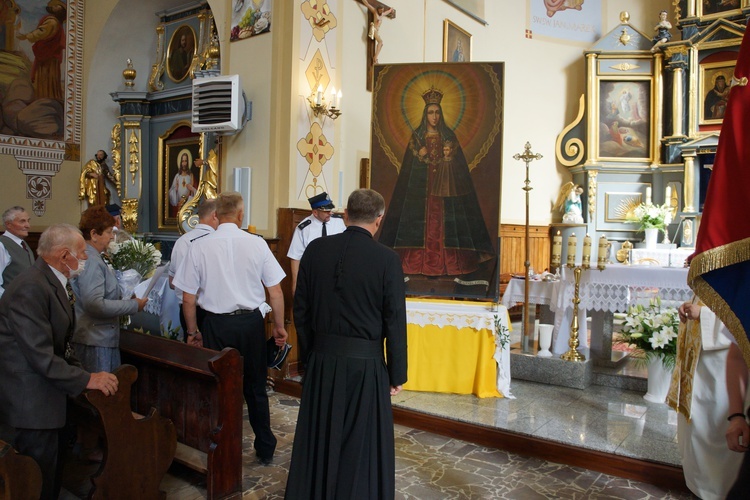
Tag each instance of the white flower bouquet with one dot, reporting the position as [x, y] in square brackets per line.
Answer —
[135, 254]
[133, 260]
[652, 331]
[651, 216]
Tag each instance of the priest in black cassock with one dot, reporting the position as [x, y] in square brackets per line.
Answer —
[349, 301]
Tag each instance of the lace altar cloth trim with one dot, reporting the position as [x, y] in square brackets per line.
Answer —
[618, 287]
[460, 315]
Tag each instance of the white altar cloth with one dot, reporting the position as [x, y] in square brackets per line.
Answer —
[671, 257]
[478, 316]
[614, 289]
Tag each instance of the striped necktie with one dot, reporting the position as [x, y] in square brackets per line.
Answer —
[69, 335]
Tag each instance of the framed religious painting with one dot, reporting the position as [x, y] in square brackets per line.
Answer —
[250, 18]
[625, 124]
[719, 8]
[456, 43]
[178, 176]
[436, 157]
[714, 79]
[180, 52]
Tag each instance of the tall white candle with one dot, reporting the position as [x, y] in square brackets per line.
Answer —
[319, 96]
[333, 96]
[668, 199]
[648, 195]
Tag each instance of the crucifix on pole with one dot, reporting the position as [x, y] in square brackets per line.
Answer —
[377, 10]
[528, 323]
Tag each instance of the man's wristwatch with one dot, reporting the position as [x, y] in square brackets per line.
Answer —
[194, 333]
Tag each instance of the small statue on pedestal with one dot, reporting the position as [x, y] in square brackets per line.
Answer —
[662, 31]
[569, 203]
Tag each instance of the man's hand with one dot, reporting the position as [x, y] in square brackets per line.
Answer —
[738, 435]
[103, 381]
[195, 340]
[280, 334]
[688, 310]
[395, 389]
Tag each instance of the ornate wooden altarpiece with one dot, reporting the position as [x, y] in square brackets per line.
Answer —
[649, 120]
[153, 121]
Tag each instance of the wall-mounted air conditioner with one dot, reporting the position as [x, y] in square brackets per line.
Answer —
[219, 105]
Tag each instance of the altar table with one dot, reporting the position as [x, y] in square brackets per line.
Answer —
[541, 293]
[452, 347]
[613, 290]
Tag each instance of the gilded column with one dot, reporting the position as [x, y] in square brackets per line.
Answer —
[593, 99]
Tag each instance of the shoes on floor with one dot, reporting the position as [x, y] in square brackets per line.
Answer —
[265, 461]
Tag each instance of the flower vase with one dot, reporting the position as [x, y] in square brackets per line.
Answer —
[652, 234]
[545, 340]
[659, 378]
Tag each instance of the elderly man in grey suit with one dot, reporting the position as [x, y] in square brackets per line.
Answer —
[37, 367]
[15, 254]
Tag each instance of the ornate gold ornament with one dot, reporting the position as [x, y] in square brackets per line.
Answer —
[157, 69]
[129, 74]
[592, 193]
[624, 66]
[116, 159]
[573, 150]
[130, 215]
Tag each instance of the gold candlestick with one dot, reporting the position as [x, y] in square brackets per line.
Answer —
[573, 354]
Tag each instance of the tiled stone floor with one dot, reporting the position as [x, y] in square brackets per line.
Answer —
[436, 467]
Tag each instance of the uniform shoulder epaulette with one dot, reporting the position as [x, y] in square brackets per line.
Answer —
[199, 237]
[304, 224]
[337, 216]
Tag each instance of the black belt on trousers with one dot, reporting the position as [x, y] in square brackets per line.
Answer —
[234, 313]
[348, 347]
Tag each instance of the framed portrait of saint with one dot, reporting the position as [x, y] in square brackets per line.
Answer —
[714, 80]
[436, 157]
[180, 52]
[178, 177]
[456, 43]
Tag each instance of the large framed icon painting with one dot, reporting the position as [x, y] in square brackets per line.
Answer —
[436, 157]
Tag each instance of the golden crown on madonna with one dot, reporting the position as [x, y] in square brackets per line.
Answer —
[432, 96]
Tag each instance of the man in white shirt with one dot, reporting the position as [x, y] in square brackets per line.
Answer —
[320, 223]
[15, 254]
[227, 273]
[207, 224]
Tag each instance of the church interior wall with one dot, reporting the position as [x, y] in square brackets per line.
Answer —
[543, 81]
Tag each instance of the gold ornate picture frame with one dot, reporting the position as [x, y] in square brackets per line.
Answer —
[714, 79]
[178, 147]
[180, 52]
[456, 43]
[709, 9]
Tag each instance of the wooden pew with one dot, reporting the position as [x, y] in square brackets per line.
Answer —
[200, 390]
[139, 449]
[20, 477]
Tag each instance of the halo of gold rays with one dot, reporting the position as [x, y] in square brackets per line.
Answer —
[471, 104]
[625, 210]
